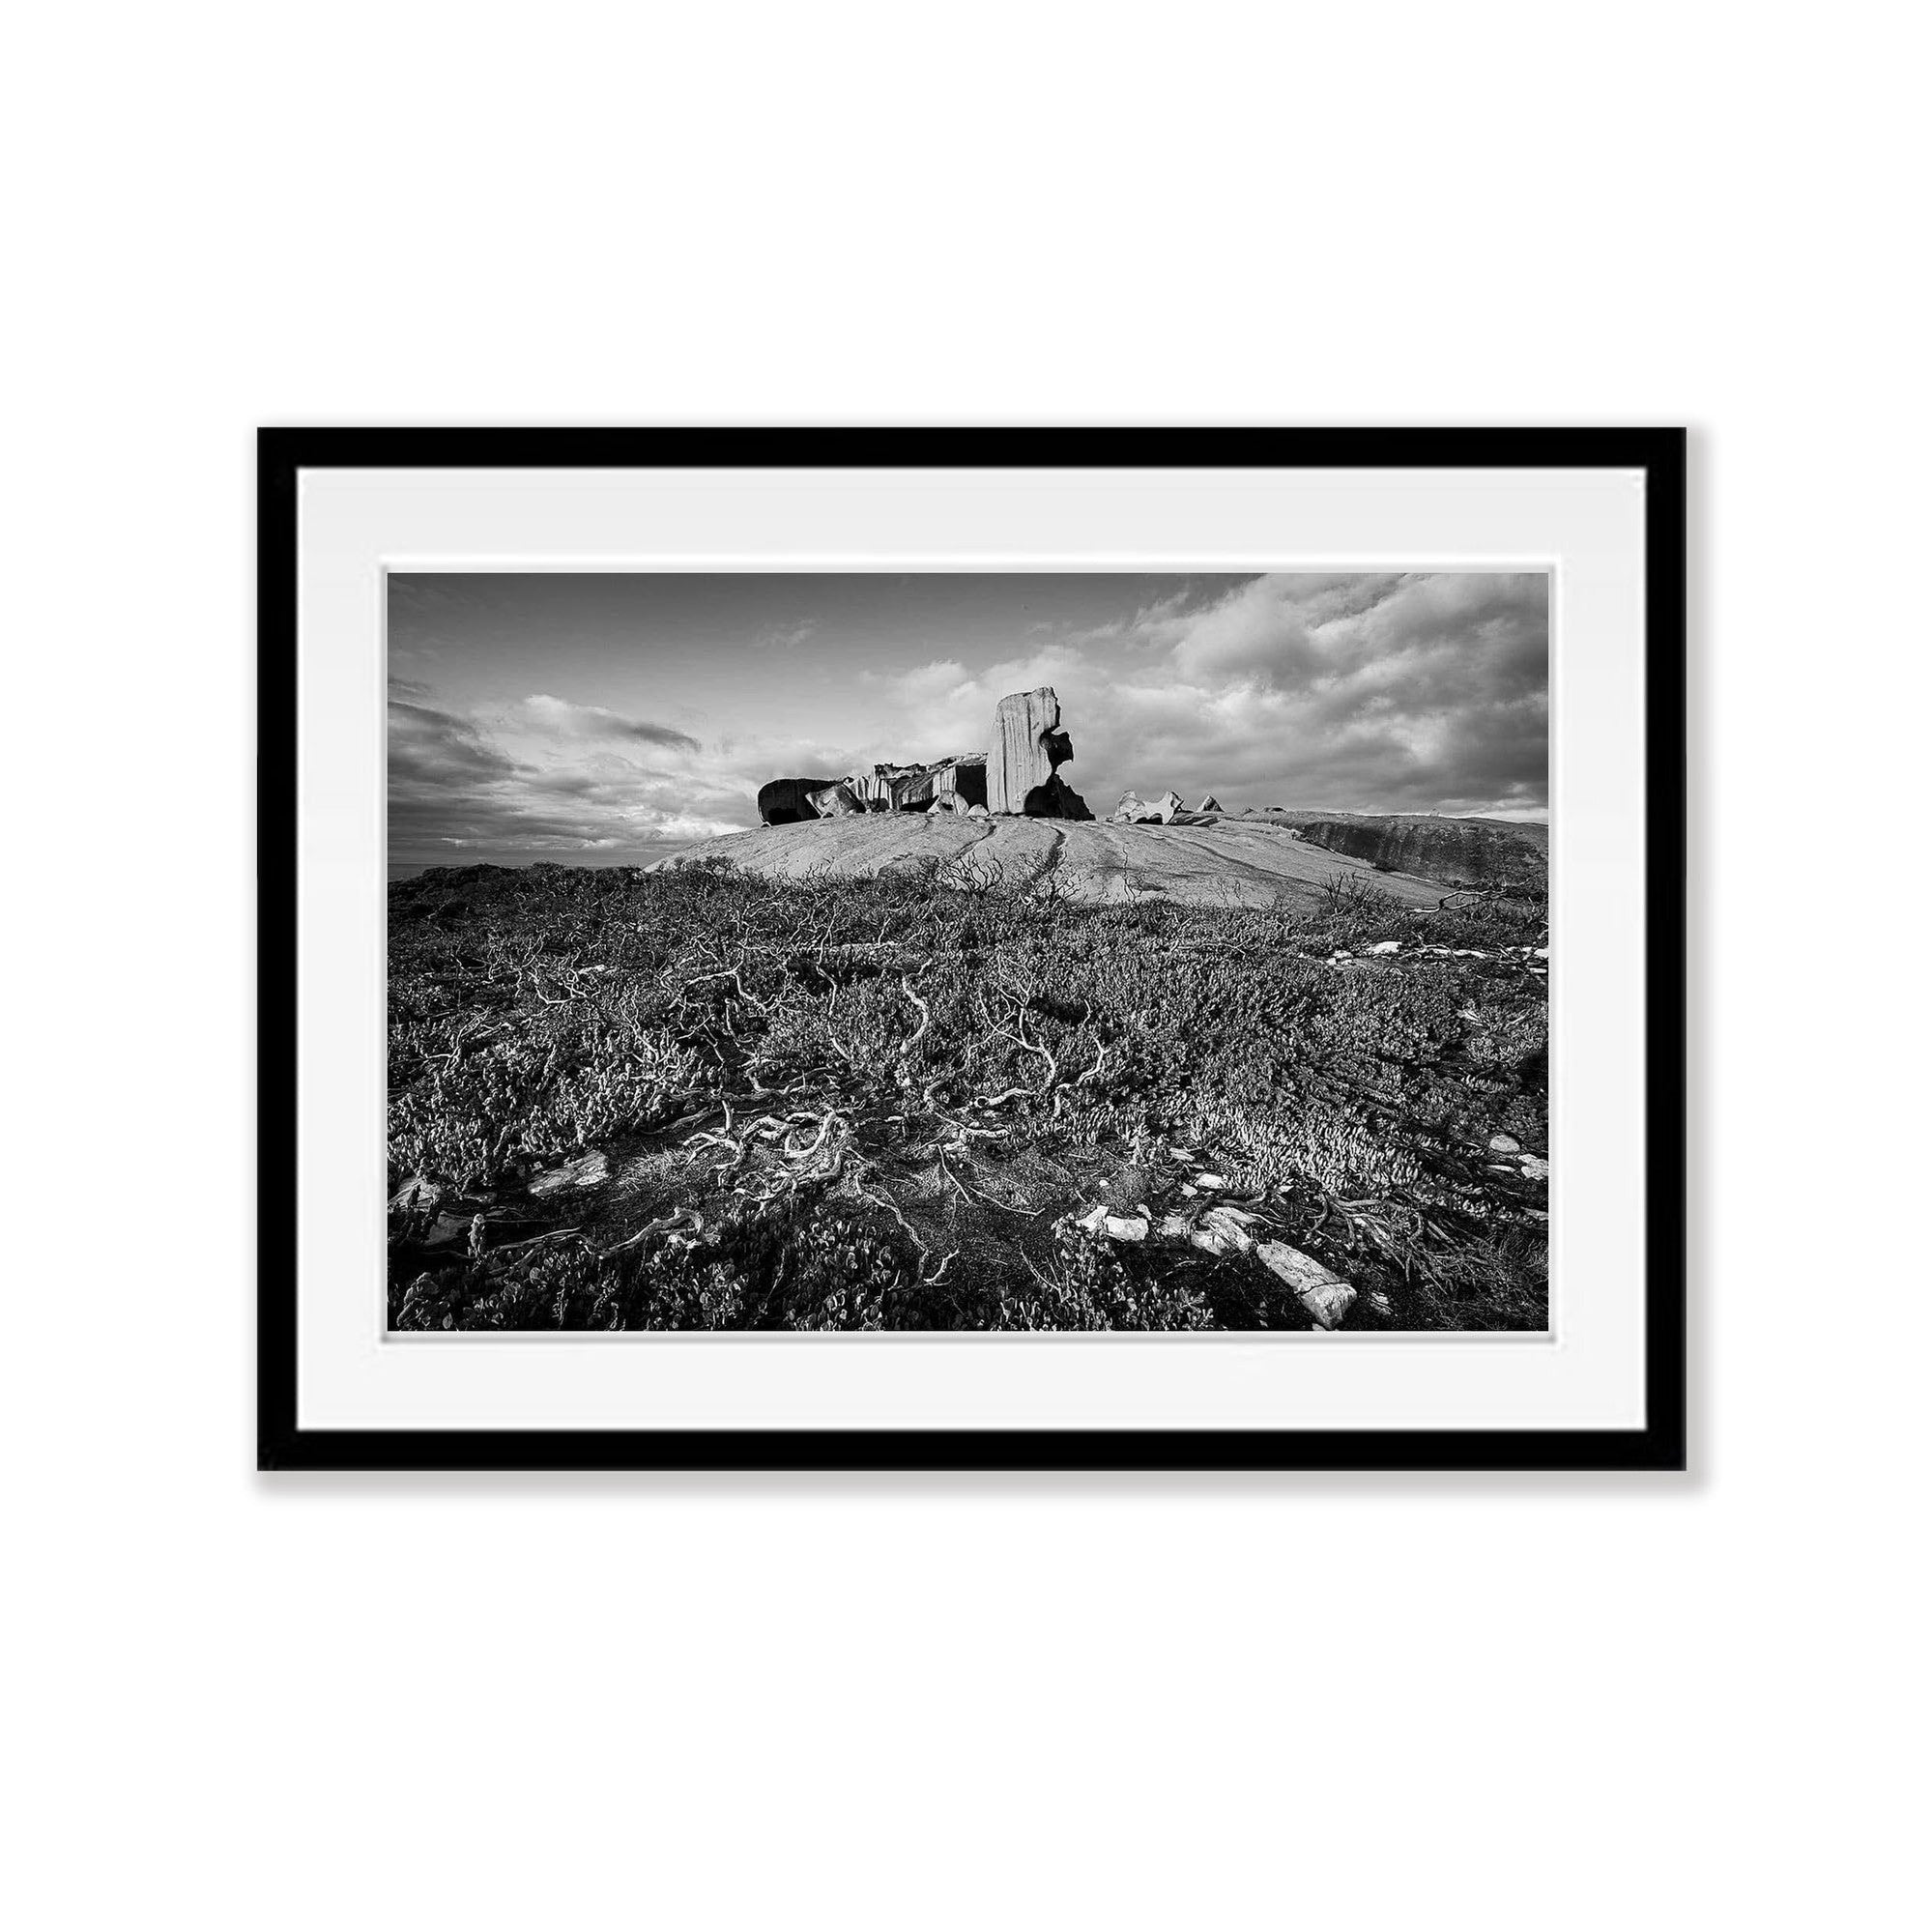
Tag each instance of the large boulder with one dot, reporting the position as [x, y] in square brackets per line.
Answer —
[787, 801]
[963, 778]
[1055, 799]
[1161, 811]
[835, 801]
[878, 788]
[948, 784]
[1028, 744]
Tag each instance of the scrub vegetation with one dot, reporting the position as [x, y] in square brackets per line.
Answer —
[700, 1099]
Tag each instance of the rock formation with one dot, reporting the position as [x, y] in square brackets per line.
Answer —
[1016, 777]
[1028, 744]
[950, 784]
[836, 801]
[1134, 810]
[962, 778]
[785, 802]
[881, 788]
[1475, 852]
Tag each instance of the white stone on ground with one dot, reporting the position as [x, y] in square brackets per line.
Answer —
[589, 1171]
[1326, 1296]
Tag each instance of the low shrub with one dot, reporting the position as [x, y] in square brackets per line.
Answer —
[868, 1102]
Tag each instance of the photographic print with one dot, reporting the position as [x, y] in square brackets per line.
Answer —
[967, 953]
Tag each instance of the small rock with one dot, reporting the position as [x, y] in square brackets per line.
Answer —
[1189, 1188]
[1326, 1296]
[588, 1171]
[1093, 1220]
[1386, 946]
[1505, 1143]
[1174, 1227]
[1228, 1225]
[1534, 1168]
[1211, 1180]
[1126, 1227]
[418, 1194]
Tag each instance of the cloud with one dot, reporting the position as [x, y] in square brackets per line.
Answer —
[428, 747]
[785, 637]
[544, 779]
[556, 715]
[1420, 692]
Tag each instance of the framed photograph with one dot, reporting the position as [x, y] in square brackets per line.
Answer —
[973, 949]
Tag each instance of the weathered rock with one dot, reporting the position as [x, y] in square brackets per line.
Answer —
[963, 778]
[447, 1230]
[589, 1170]
[1534, 1168]
[1209, 804]
[787, 801]
[949, 784]
[1028, 744]
[1149, 811]
[885, 788]
[1326, 1296]
[1505, 1143]
[1227, 1229]
[1021, 754]
[835, 801]
[1116, 1226]
[1453, 850]
[1219, 865]
[1055, 799]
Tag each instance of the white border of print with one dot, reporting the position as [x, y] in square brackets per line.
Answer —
[1584, 526]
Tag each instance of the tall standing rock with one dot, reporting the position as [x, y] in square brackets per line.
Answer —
[1027, 743]
[1019, 759]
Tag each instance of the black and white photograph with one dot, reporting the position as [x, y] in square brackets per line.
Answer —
[955, 960]
[969, 953]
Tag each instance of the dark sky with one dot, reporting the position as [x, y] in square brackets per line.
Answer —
[607, 719]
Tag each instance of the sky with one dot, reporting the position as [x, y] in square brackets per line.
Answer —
[610, 719]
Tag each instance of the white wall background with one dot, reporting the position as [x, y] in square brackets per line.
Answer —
[1362, 1703]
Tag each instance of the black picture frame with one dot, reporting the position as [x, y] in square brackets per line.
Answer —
[1659, 1445]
